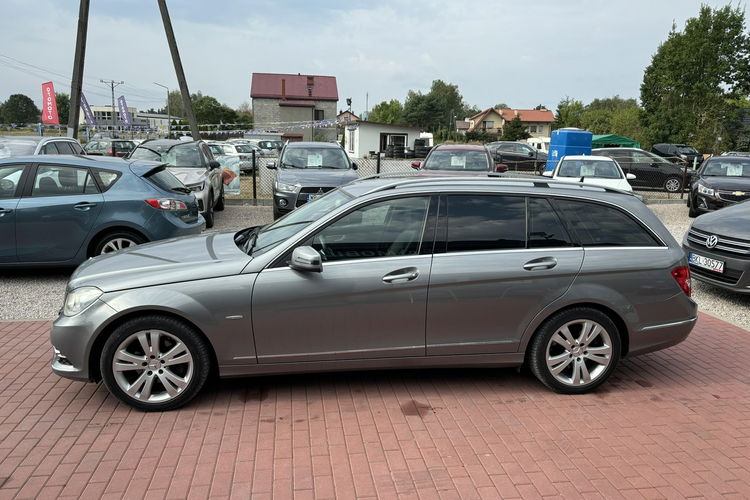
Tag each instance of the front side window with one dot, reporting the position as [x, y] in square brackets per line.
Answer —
[55, 180]
[486, 222]
[598, 225]
[457, 159]
[10, 176]
[391, 228]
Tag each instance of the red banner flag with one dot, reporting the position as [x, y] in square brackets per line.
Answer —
[49, 104]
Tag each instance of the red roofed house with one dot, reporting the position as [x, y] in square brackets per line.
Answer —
[538, 122]
[292, 103]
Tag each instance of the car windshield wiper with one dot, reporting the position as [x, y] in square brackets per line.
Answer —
[329, 166]
[181, 190]
[292, 165]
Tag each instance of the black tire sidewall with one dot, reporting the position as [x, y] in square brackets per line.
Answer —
[193, 342]
[537, 350]
[220, 201]
[104, 239]
[209, 212]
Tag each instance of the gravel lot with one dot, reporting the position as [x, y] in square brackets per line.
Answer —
[38, 294]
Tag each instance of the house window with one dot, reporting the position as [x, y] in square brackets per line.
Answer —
[532, 129]
[350, 141]
[319, 114]
[488, 124]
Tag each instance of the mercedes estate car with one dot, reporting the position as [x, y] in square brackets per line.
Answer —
[386, 273]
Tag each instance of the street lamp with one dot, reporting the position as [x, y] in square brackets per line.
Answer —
[169, 117]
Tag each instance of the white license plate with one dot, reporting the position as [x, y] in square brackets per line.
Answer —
[714, 265]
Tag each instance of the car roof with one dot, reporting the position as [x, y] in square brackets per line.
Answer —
[295, 145]
[110, 162]
[465, 147]
[587, 157]
[166, 142]
[34, 138]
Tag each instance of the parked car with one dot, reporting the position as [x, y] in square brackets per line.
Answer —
[306, 171]
[679, 153]
[109, 147]
[650, 170]
[460, 159]
[718, 248]
[598, 171]
[194, 165]
[721, 181]
[735, 153]
[518, 156]
[25, 145]
[267, 147]
[244, 152]
[386, 273]
[62, 210]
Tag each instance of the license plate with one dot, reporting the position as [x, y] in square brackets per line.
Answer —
[714, 265]
[311, 197]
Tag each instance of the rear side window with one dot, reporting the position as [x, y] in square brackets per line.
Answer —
[598, 225]
[165, 180]
[106, 178]
[545, 227]
[50, 149]
[63, 147]
[480, 222]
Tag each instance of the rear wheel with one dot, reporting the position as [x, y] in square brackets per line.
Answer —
[575, 351]
[220, 203]
[673, 185]
[116, 241]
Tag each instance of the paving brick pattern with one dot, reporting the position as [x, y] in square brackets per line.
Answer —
[672, 424]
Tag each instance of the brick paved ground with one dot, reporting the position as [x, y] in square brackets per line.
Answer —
[670, 424]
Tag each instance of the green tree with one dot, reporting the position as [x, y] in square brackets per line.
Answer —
[539, 107]
[63, 107]
[436, 109]
[568, 113]
[502, 105]
[175, 104]
[515, 130]
[20, 108]
[388, 112]
[690, 89]
[422, 110]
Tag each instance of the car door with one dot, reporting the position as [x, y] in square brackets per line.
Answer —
[60, 206]
[495, 272]
[527, 156]
[646, 170]
[11, 182]
[369, 300]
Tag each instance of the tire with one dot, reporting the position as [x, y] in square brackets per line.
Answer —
[692, 212]
[208, 214]
[220, 204]
[276, 213]
[118, 240]
[571, 361]
[673, 185]
[165, 380]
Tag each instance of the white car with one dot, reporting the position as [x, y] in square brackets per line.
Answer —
[595, 170]
[242, 151]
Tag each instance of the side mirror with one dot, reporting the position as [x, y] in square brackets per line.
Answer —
[213, 164]
[547, 173]
[630, 177]
[416, 164]
[501, 167]
[354, 166]
[531, 154]
[306, 259]
[271, 165]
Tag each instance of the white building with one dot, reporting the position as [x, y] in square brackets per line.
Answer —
[362, 138]
[103, 115]
[159, 121]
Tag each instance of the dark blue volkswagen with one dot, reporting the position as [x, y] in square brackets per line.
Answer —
[61, 210]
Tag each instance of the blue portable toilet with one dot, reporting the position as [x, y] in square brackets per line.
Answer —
[567, 141]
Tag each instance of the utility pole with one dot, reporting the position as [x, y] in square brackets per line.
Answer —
[186, 102]
[112, 84]
[77, 81]
[169, 116]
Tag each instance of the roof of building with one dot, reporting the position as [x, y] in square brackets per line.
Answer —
[269, 85]
[526, 115]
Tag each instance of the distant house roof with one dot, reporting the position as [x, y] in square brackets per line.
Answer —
[295, 87]
[529, 115]
[348, 113]
[379, 124]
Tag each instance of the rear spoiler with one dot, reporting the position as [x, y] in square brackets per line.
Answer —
[146, 169]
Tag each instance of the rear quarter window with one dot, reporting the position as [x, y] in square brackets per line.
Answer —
[106, 178]
[597, 225]
[164, 179]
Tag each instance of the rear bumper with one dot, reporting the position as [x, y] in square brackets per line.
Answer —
[680, 313]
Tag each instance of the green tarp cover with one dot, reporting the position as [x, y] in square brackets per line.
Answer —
[612, 140]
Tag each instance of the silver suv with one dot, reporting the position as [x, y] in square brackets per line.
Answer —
[385, 273]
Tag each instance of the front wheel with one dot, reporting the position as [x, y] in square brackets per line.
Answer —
[673, 185]
[575, 351]
[155, 363]
[692, 212]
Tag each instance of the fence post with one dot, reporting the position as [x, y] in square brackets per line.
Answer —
[684, 181]
[377, 163]
[255, 175]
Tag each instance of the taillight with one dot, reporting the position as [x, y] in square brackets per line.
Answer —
[166, 204]
[681, 274]
[110, 151]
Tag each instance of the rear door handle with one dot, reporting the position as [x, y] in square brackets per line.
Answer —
[84, 206]
[4, 211]
[541, 263]
[406, 274]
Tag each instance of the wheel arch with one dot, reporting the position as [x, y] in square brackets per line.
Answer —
[97, 237]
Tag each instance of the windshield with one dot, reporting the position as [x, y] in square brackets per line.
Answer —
[601, 169]
[729, 167]
[174, 155]
[687, 150]
[244, 148]
[315, 158]
[457, 159]
[297, 220]
[16, 148]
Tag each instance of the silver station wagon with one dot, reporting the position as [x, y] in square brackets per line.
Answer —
[386, 272]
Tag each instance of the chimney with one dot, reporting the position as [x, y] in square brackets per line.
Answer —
[515, 111]
[283, 88]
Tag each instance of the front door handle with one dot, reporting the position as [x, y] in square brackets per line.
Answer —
[406, 274]
[4, 211]
[541, 263]
[84, 206]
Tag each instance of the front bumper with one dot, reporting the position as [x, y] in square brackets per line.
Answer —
[705, 204]
[736, 275]
[73, 337]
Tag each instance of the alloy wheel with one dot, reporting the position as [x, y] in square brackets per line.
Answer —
[672, 185]
[579, 352]
[117, 244]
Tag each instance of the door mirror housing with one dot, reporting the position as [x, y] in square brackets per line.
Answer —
[501, 167]
[547, 173]
[271, 165]
[213, 164]
[531, 154]
[629, 176]
[306, 259]
[354, 166]
[416, 164]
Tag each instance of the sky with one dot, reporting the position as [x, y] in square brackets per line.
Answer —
[516, 52]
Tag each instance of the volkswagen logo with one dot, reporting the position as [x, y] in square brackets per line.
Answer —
[711, 241]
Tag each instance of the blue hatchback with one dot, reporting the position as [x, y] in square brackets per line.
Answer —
[61, 210]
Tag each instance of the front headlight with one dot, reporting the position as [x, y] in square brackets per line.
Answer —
[197, 187]
[286, 188]
[705, 190]
[79, 299]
